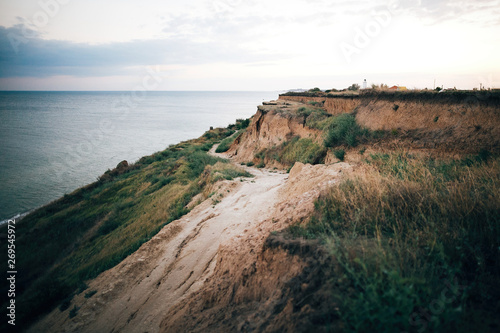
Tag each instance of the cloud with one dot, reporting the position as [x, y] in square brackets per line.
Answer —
[438, 11]
[22, 54]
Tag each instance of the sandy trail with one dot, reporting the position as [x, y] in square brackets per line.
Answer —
[134, 296]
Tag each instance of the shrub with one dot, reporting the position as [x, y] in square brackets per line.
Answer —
[343, 129]
[224, 145]
[318, 119]
[242, 123]
[354, 87]
[339, 153]
[73, 312]
[227, 142]
[299, 150]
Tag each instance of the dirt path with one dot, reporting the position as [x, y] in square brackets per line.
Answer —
[135, 295]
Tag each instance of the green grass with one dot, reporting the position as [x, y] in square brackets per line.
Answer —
[295, 150]
[339, 153]
[225, 144]
[416, 244]
[220, 171]
[343, 130]
[75, 238]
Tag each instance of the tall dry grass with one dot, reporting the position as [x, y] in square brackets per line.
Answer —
[403, 230]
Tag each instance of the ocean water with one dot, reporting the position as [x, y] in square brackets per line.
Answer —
[52, 143]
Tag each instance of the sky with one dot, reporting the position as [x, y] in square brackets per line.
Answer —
[272, 45]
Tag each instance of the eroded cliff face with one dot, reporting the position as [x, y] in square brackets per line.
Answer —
[462, 124]
[270, 128]
[467, 127]
[332, 105]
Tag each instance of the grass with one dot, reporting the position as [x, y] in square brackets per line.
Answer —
[416, 243]
[339, 153]
[225, 144]
[221, 171]
[343, 130]
[75, 238]
[295, 150]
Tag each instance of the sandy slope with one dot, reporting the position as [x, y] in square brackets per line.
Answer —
[133, 296]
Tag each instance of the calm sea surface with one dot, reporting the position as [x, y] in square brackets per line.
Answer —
[51, 143]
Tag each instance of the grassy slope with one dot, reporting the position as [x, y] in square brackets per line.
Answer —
[416, 243]
[92, 229]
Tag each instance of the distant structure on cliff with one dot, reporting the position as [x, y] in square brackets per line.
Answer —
[364, 84]
[398, 88]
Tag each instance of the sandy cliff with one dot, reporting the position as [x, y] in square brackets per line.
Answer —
[466, 123]
[272, 125]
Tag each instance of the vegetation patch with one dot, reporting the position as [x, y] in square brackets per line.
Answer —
[223, 171]
[295, 150]
[415, 243]
[343, 130]
[339, 153]
[225, 144]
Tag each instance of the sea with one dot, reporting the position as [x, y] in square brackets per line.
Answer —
[52, 143]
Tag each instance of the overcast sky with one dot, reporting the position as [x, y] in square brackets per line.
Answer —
[247, 45]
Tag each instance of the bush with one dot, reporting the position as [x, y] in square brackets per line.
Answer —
[299, 150]
[354, 87]
[227, 142]
[242, 123]
[343, 129]
[318, 119]
[73, 312]
[339, 153]
[224, 145]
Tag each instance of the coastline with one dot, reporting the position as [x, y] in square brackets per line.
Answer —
[17, 217]
[42, 162]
